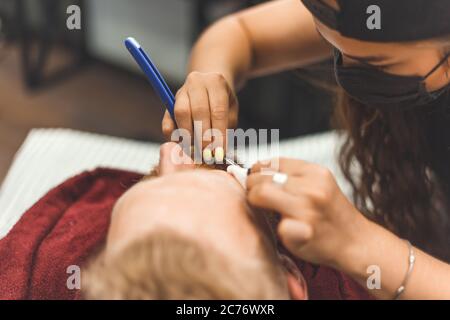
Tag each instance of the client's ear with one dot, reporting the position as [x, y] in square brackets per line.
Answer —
[295, 281]
[297, 290]
[173, 159]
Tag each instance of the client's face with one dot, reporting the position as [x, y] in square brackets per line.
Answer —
[202, 204]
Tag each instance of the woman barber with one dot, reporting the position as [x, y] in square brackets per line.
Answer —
[395, 110]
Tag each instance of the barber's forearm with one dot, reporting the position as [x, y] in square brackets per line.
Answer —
[264, 39]
[225, 49]
[430, 278]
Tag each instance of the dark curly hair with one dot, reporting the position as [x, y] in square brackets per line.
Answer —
[398, 163]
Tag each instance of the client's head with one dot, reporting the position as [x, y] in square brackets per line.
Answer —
[186, 232]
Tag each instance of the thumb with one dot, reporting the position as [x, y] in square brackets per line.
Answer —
[168, 126]
[294, 234]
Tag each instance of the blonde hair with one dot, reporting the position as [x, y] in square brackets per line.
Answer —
[167, 266]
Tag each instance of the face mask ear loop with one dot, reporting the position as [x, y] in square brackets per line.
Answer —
[448, 67]
[437, 66]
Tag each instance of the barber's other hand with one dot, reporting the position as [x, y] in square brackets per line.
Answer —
[319, 224]
[205, 97]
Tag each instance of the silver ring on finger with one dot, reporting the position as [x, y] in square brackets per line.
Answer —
[280, 178]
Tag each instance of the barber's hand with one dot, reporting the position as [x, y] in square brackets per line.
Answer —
[318, 223]
[205, 97]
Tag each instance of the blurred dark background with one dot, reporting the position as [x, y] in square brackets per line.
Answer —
[84, 79]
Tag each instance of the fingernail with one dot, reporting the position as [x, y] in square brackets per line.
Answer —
[207, 155]
[219, 154]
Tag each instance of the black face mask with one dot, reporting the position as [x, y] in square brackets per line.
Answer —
[376, 88]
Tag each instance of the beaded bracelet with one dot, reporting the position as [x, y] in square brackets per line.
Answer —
[411, 261]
